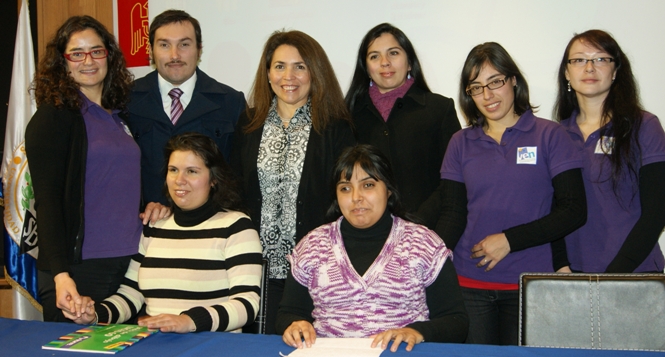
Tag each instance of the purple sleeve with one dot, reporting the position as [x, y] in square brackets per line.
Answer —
[652, 139]
[563, 154]
[451, 168]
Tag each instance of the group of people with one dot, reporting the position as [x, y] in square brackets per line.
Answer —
[376, 214]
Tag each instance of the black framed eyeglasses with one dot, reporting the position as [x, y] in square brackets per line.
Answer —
[596, 62]
[80, 56]
[477, 89]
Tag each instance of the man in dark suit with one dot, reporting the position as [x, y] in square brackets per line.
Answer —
[177, 98]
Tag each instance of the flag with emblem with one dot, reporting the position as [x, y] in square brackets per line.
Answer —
[20, 236]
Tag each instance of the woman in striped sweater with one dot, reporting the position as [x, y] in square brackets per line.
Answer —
[200, 269]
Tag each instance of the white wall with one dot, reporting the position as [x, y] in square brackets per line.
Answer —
[535, 33]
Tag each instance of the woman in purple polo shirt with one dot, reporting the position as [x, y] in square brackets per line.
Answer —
[623, 148]
[511, 185]
[85, 168]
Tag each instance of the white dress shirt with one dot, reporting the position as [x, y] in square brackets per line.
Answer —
[186, 87]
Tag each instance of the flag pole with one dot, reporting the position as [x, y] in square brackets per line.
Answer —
[19, 216]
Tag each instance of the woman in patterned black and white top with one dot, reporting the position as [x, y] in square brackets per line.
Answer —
[285, 147]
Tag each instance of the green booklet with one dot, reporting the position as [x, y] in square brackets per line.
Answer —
[109, 339]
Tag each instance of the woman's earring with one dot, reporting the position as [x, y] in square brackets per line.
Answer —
[408, 75]
[569, 86]
[370, 82]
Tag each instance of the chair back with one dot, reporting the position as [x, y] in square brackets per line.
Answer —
[259, 325]
[596, 311]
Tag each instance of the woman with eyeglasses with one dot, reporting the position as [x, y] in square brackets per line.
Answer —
[512, 184]
[85, 168]
[394, 109]
[623, 147]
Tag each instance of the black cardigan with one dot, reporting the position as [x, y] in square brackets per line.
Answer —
[414, 139]
[56, 146]
[314, 192]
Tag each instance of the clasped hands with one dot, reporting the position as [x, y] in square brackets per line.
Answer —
[303, 331]
[68, 300]
[164, 322]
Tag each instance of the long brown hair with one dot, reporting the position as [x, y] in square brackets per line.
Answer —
[53, 84]
[325, 93]
[622, 107]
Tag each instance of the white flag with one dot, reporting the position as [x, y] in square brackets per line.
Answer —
[19, 215]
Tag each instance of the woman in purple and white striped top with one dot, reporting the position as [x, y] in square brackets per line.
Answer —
[371, 272]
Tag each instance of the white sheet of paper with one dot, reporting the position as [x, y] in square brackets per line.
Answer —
[335, 347]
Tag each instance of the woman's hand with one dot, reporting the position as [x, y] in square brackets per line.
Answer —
[67, 297]
[493, 248]
[299, 331]
[87, 314]
[154, 211]
[398, 335]
[169, 323]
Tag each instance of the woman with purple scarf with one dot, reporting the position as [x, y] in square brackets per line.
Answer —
[394, 109]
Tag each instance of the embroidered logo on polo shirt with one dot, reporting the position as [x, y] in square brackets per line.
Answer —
[604, 145]
[527, 155]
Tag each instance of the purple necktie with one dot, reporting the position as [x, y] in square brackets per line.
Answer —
[176, 106]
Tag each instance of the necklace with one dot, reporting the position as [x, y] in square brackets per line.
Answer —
[285, 122]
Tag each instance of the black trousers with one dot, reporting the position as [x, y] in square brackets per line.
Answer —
[97, 278]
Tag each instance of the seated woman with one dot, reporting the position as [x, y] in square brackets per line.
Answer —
[372, 272]
[200, 269]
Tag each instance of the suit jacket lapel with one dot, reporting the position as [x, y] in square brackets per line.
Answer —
[199, 106]
[148, 100]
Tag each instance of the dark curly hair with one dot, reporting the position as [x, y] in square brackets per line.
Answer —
[622, 107]
[53, 83]
[225, 190]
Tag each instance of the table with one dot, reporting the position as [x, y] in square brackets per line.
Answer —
[25, 338]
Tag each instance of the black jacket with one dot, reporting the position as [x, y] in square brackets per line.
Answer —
[414, 138]
[56, 146]
[213, 111]
[314, 196]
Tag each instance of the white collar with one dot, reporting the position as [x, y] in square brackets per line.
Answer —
[165, 87]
